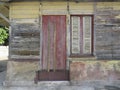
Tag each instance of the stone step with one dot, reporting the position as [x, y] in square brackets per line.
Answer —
[76, 88]
[29, 88]
[59, 88]
[49, 88]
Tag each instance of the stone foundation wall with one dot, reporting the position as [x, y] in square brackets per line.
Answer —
[21, 73]
[95, 73]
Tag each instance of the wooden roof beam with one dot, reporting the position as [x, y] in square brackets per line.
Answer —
[66, 0]
[4, 0]
[5, 18]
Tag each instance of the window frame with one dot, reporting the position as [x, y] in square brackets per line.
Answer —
[92, 37]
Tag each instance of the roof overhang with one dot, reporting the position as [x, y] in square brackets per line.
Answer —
[65, 0]
[4, 7]
[4, 14]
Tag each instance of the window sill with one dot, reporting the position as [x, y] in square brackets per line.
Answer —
[82, 56]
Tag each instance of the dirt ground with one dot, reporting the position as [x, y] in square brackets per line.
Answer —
[3, 67]
[3, 62]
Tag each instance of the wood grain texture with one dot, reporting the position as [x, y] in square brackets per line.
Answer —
[25, 41]
[107, 32]
[54, 42]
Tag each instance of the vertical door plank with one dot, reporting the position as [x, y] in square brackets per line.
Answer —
[45, 42]
[51, 44]
[61, 42]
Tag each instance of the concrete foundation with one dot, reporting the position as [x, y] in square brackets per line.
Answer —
[60, 87]
[84, 75]
[21, 71]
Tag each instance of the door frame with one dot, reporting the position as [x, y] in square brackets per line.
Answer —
[45, 76]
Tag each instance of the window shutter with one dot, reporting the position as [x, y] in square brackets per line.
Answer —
[75, 34]
[87, 35]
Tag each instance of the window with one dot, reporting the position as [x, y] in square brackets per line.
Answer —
[81, 35]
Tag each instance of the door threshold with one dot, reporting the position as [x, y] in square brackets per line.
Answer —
[53, 83]
[58, 75]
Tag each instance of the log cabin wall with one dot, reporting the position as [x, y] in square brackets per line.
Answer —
[107, 30]
[25, 26]
[25, 32]
[25, 36]
[25, 41]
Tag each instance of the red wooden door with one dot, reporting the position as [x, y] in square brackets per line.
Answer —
[53, 42]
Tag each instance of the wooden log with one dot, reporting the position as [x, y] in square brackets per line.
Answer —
[24, 52]
[25, 41]
[29, 57]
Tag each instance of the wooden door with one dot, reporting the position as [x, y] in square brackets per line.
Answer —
[53, 42]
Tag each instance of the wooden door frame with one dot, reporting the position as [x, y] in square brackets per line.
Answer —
[59, 74]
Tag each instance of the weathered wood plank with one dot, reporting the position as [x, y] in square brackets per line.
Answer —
[24, 52]
[30, 57]
[25, 40]
[61, 43]
[107, 32]
[17, 10]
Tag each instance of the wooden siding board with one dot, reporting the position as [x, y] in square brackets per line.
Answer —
[24, 52]
[28, 7]
[24, 9]
[30, 57]
[81, 8]
[19, 12]
[27, 46]
[25, 40]
[73, 10]
[53, 3]
[107, 34]
[55, 8]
